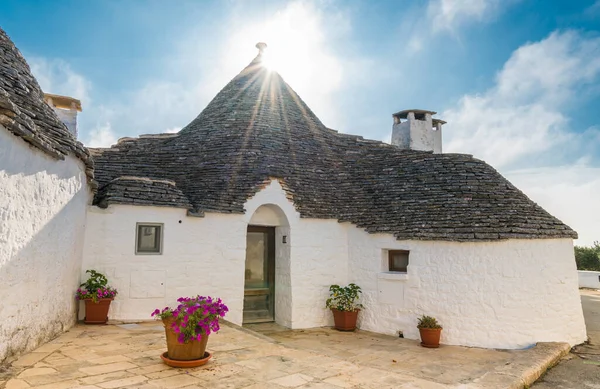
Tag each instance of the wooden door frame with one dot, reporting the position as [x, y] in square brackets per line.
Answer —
[270, 231]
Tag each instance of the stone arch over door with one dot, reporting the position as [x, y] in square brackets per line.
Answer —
[272, 216]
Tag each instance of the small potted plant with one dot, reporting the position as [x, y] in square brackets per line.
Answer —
[187, 328]
[97, 296]
[342, 302]
[430, 331]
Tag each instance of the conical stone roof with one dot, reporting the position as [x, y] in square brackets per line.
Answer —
[24, 113]
[258, 128]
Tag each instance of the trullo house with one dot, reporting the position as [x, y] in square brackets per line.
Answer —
[258, 202]
[46, 185]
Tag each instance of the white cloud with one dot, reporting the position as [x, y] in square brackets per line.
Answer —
[102, 136]
[567, 192]
[523, 120]
[158, 106]
[524, 113]
[593, 10]
[56, 76]
[550, 69]
[449, 15]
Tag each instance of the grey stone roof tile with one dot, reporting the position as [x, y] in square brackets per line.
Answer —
[24, 112]
[257, 128]
[142, 191]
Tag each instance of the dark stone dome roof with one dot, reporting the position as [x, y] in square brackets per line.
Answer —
[257, 128]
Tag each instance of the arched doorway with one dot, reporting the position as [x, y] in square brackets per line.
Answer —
[267, 287]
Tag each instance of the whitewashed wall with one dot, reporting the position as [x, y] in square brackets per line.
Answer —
[200, 256]
[207, 256]
[42, 219]
[589, 279]
[508, 294]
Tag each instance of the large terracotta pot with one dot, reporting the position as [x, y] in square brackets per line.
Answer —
[344, 320]
[96, 312]
[189, 351]
[430, 337]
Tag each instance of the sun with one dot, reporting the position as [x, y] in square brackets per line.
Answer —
[300, 48]
[289, 46]
[282, 58]
[266, 57]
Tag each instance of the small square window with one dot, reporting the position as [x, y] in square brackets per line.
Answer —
[398, 260]
[148, 238]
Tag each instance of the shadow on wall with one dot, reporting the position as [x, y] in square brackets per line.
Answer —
[39, 280]
[31, 169]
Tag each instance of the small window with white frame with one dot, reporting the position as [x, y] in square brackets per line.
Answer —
[148, 238]
[398, 261]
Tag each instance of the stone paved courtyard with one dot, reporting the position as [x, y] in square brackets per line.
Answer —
[127, 356]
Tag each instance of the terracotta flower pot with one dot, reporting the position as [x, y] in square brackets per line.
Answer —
[430, 337]
[344, 320]
[96, 312]
[192, 350]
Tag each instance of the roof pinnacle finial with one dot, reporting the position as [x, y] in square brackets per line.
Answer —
[261, 46]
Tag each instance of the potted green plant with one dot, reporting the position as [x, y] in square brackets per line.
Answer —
[430, 331]
[342, 302]
[187, 328]
[97, 296]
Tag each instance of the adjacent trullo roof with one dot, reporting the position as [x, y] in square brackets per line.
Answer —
[257, 128]
[24, 112]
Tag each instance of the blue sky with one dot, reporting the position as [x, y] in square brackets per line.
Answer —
[518, 81]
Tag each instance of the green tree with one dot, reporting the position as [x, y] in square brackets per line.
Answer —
[588, 258]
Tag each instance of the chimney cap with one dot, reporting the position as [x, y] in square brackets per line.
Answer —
[404, 114]
[64, 102]
[435, 121]
[261, 46]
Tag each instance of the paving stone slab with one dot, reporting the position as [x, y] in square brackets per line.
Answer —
[117, 356]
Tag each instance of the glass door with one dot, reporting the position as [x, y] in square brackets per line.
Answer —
[259, 286]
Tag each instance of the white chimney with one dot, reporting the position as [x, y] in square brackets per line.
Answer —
[415, 129]
[66, 109]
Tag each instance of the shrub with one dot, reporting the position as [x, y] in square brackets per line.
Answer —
[344, 298]
[588, 258]
[194, 317]
[428, 322]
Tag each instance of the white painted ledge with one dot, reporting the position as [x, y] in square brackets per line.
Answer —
[394, 276]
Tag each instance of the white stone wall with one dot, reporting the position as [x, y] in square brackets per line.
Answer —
[207, 256]
[42, 219]
[199, 256]
[508, 294]
[589, 279]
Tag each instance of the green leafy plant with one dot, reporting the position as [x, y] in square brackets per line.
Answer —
[428, 322]
[95, 287]
[95, 281]
[344, 298]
